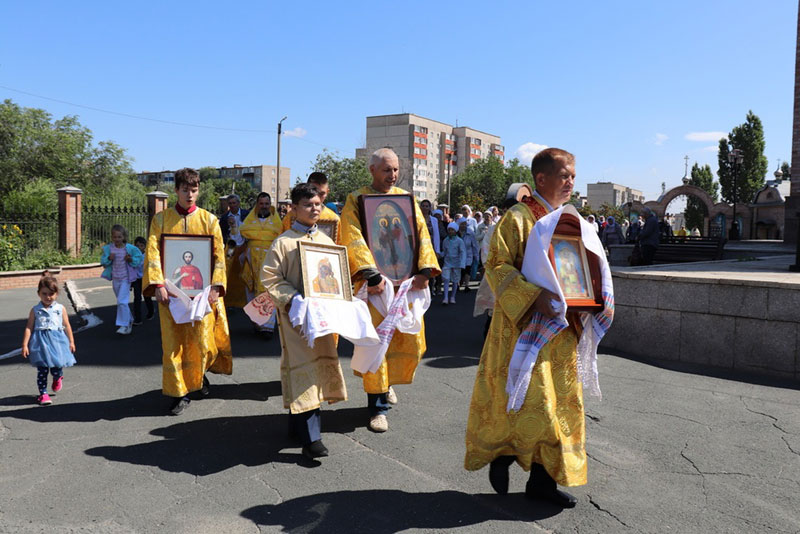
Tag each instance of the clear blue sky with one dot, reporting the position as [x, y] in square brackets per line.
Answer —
[620, 84]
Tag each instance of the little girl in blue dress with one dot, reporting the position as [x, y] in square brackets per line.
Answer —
[48, 343]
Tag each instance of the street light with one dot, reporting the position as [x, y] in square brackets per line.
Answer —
[278, 185]
[735, 158]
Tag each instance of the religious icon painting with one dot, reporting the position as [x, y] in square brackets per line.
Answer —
[325, 271]
[187, 261]
[572, 267]
[389, 226]
[329, 228]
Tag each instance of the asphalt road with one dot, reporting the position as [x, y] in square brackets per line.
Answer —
[671, 449]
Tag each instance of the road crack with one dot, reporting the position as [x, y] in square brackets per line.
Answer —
[607, 512]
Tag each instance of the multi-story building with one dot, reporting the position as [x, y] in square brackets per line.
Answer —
[430, 152]
[611, 194]
[261, 177]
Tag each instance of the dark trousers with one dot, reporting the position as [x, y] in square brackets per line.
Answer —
[137, 302]
[648, 253]
[307, 426]
[41, 377]
[377, 404]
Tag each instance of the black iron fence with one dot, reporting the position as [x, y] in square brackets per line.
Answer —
[98, 218]
[35, 231]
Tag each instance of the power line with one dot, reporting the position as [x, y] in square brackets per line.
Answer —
[162, 121]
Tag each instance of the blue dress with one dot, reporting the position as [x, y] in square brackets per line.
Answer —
[49, 346]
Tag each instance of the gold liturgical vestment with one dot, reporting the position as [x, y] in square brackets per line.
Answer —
[309, 376]
[260, 235]
[405, 350]
[189, 350]
[326, 215]
[549, 428]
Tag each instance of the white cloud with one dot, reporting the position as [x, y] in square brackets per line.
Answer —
[660, 138]
[295, 132]
[526, 152]
[705, 136]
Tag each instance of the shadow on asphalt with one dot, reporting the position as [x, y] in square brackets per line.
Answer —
[207, 446]
[389, 511]
[149, 404]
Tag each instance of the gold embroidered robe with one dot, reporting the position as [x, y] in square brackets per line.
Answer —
[405, 350]
[309, 376]
[326, 215]
[549, 428]
[189, 350]
[260, 235]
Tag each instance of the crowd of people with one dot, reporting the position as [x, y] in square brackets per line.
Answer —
[257, 251]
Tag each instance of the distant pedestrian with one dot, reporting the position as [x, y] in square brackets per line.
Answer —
[612, 233]
[121, 260]
[473, 251]
[453, 262]
[648, 237]
[141, 244]
[48, 343]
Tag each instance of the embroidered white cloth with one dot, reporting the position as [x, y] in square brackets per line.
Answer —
[402, 311]
[537, 269]
[317, 317]
[185, 309]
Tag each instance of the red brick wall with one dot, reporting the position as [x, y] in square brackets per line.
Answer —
[12, 279]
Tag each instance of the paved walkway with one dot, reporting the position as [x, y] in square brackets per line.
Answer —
[671, 449]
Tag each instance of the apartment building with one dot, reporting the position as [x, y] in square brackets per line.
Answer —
[430, 152]
[612, 194]
[261, 177]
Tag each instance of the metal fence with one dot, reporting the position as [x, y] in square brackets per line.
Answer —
[97, 220]
[39, 230]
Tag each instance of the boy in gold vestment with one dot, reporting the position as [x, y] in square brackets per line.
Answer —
[309, 375]
[189, 349]
[547, 435]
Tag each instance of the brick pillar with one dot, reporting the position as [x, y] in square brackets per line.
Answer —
[69, 220]
[156, 202]
[792, 206]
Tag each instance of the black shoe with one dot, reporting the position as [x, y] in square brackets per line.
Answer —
[314, 450]
[137, 322]
[542, 486]
[180, 406]
[150, 315]
[498, 473]
[204, 391]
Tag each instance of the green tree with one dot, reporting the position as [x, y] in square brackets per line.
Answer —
[786, 169]
[696, 211]
[208, 174]
[749, 138]
[212, 190]
[35, 147]
[345, 175]
[485, 183]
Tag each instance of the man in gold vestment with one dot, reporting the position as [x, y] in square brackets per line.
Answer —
[260, 228]
[320, 181]
[547, 435]
[405, 350]
[189, 349]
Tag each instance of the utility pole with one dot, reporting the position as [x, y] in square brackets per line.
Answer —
[278, 184]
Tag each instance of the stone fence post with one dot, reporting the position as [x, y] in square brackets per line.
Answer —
[156, 202]
[69, 220]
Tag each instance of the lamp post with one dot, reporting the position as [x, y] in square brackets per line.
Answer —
[735, 158]
[278, 185]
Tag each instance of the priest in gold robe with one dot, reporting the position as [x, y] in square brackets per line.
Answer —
[309, 376]
[405, 350]
[547, 435]
[327, 217]
[260, 228]
[189, 349]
